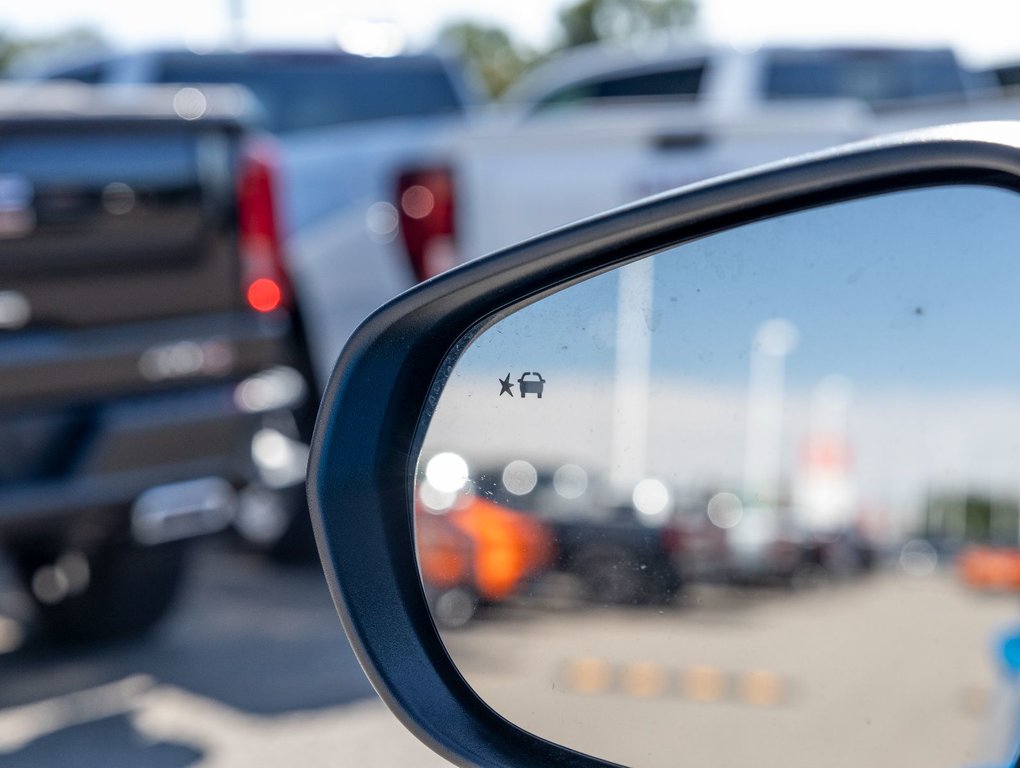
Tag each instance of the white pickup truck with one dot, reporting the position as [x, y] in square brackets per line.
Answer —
[603, 125]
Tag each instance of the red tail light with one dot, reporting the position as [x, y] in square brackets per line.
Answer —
[263, 274]
[426, 203]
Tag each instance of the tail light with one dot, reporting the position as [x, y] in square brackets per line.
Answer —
[263, 274]
[426, 205]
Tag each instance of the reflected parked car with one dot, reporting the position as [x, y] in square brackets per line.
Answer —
[478, 552]
[618, 558]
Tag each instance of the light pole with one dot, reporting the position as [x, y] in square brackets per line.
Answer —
[235, 16]
[632, 384]
[773, 341]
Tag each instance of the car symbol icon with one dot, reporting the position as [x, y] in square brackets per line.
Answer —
[531, 386]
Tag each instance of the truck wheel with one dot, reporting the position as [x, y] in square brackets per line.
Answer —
[120, 590]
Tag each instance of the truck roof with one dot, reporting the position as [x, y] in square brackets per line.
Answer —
[37, 66]
[71, 100]
[295, 88]
[657, 53]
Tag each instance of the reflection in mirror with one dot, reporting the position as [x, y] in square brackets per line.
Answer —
[753, 500]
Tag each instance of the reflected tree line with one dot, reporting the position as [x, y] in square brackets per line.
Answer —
[516, 531]
[972, 517]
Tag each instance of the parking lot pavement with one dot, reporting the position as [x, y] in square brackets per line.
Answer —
[887, 671]
[251, 669]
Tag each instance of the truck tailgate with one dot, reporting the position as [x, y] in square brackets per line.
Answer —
[108, 223]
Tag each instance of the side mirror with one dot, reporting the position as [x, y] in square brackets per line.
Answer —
[685, 484]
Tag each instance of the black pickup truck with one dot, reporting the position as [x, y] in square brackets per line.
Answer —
[347, 129]
[147, 370]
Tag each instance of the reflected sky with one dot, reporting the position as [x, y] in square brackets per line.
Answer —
[884, 289]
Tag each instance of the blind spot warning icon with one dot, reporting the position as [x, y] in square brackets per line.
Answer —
[533, 386]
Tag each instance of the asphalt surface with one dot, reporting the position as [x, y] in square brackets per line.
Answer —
[252, 670]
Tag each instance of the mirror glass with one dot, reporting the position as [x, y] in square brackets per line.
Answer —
[752, 500]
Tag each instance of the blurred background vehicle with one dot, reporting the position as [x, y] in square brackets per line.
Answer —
[477, 552]
[730, 81]
[604, 124]
[342, 124]
[447, 565]
[603, 544]
[634, 552]
[297, 89]
[351, 132]
[144, 344]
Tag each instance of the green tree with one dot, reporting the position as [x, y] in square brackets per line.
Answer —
[13, 47]
[589, 21]
[499, 59]
[973, 517]
[489, 50]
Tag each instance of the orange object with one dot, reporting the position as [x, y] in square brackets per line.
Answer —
[509, 546]
[991, 568]
[482, 544]
[445, 553]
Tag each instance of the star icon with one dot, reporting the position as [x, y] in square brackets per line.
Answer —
[506, 388]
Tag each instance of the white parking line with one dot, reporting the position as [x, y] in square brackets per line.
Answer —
[21, 725]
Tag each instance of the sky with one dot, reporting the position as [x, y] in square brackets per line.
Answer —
[984, 31]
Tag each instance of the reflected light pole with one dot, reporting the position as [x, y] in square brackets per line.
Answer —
[773, 341]
[632, 389]
[235, 14]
